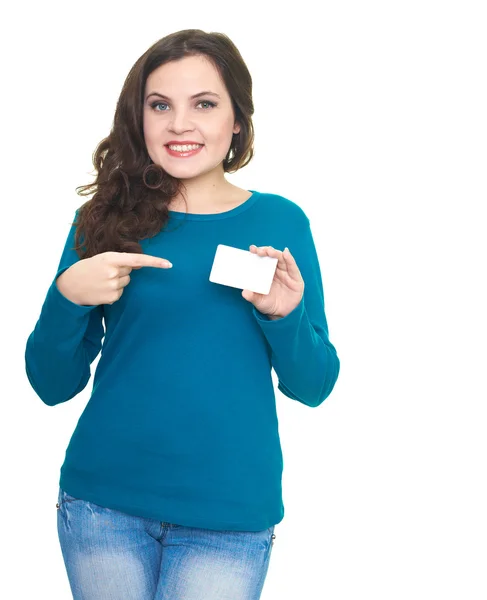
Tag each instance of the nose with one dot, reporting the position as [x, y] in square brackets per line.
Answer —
[180, 122]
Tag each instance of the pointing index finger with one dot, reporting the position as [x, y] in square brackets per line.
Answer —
[134, 260]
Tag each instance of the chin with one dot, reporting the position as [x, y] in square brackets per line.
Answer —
[184, 173]
[189, 172]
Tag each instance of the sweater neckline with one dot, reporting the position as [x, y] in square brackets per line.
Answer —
[214, 216]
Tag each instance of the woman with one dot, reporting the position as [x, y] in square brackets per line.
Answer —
[171, 483]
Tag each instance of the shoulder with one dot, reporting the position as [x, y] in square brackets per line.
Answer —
[282, 205]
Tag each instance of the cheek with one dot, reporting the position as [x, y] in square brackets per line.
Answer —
[150, 128]
[148, 134]
[220, 133]
[150, 140]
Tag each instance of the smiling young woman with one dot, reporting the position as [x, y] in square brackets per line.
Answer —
[171, 484]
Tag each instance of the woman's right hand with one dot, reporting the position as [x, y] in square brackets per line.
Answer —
[101, 278]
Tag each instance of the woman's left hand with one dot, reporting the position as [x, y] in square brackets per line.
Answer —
[287, 286]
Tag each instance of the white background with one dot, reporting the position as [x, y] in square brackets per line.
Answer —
[372, 117]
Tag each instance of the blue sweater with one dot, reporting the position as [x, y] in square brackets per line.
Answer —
[181, 425]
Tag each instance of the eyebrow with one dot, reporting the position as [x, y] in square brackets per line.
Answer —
[206, 93]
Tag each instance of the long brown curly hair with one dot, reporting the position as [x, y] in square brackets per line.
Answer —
[132, 193]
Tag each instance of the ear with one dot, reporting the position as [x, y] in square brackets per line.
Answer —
[236, 127]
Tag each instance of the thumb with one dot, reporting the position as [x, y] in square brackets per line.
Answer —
[248, 295]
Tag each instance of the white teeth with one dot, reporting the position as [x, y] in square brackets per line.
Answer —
[185, 147]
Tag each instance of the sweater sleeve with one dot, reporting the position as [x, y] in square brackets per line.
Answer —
[303, 357]
[65, 341]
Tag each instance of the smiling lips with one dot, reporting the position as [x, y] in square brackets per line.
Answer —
[183, 150]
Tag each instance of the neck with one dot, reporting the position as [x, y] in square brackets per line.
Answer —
[199, 196]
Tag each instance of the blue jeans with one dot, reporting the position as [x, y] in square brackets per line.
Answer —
[110, 555]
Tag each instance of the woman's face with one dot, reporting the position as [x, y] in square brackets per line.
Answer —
[172, 116]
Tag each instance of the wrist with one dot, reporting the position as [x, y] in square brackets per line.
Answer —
[64, 290]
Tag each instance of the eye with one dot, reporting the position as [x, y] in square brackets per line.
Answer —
[211, 104]
[154, 104]
[208, 102]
